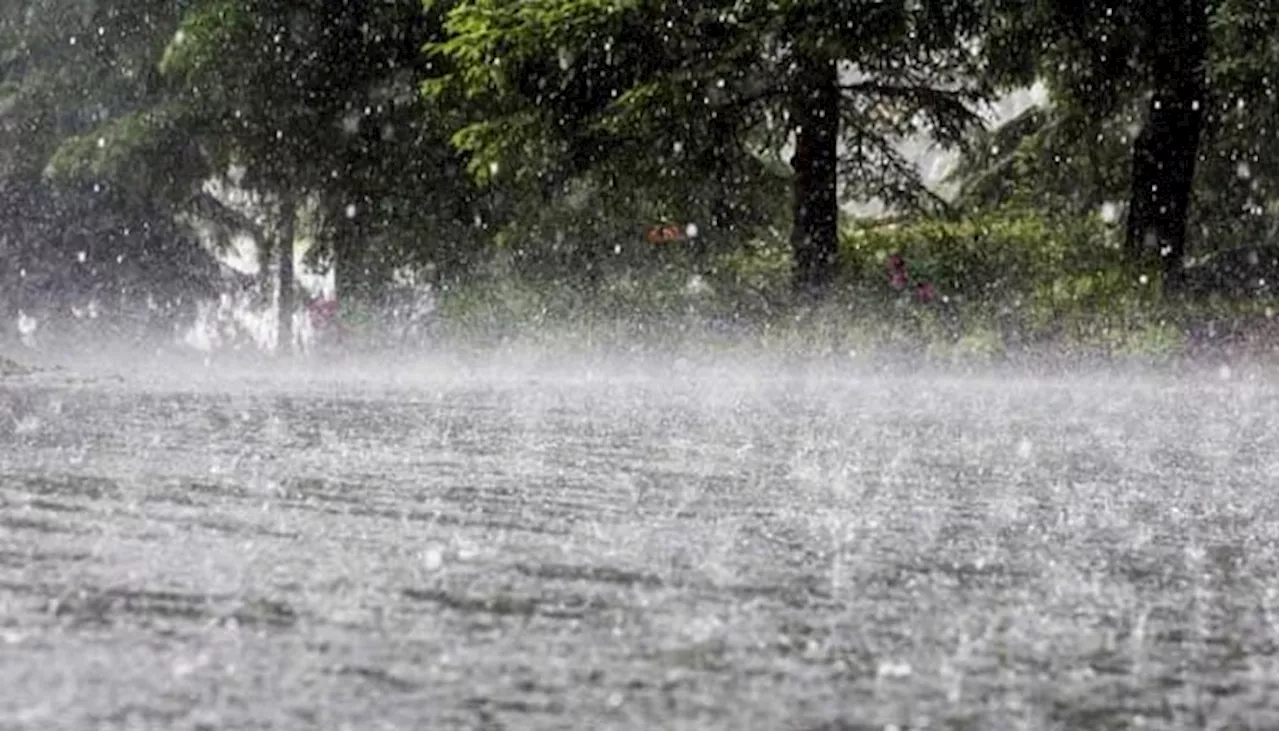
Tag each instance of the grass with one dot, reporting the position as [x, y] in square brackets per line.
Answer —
[862, 321]
[1010, 285]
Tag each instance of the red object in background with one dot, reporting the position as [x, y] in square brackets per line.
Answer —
[664, 234]
[925, 293]
[323, 312]
[897, 268]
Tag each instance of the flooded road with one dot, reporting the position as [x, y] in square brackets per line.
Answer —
[680, 548]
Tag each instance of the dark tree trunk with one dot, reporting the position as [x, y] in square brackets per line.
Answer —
[284, 313]
[815, 112]
[1164, 154]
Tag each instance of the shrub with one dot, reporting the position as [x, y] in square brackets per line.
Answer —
[991, 256]
[1004, 281]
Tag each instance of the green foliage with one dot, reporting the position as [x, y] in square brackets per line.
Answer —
[310, 100]
[1095, 55]
[688, 108]
[90, 180]
[246, 69]
[1096, 60]
[1025, 284]
[990, 256]
[1050, 159]
[145, 153]
[588, 120]
[67, 64]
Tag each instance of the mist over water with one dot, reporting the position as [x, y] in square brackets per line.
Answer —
[527, 538]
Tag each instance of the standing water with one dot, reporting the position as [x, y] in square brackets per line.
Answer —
[601, 545]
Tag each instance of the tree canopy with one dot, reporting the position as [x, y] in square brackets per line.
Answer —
[439, 134]
[660, 97]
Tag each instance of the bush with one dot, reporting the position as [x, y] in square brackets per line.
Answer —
[992, 256]
[1004, 282]
[1022, 274]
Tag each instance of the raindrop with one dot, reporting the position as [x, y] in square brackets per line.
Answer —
[82, 256]
[26, 323]
[893, 669]
[351, 210]
[432, 558]
[102, 142]
[1024, 448]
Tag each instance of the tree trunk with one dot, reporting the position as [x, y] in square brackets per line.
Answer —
[815, 111]
[285, 304]
[1164, 154]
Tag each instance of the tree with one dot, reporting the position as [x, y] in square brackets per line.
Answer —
[71, 242]
[255, 75]
[649, 94]
[1050, 158]
[316, 101]
[396, 192]
[1190, 76]
[1102, 58]
[1165, 151]
[1237, 181]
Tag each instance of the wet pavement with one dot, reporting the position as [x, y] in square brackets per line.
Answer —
[693, 547]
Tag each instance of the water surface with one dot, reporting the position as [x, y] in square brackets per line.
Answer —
[609, 546]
